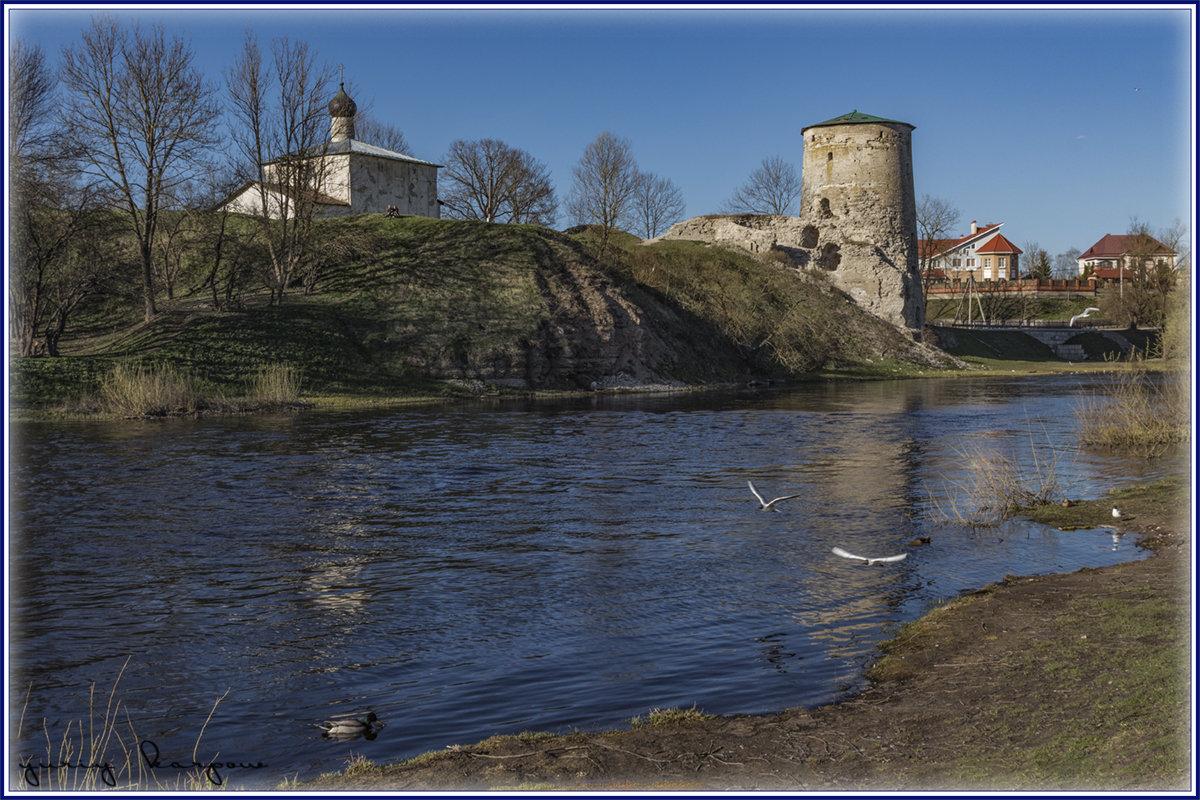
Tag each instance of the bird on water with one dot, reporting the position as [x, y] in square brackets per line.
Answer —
[837, 551]
[348, 727]
[763, 504]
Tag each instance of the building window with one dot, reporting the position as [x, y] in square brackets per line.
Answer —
[956, 262]
[970, 262]
[987, 262]
[1001, 261]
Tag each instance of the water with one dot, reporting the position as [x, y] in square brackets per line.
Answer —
[493, 568]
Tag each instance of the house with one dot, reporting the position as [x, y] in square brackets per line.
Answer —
[984, 254]
[342, 176]
[1115, 254]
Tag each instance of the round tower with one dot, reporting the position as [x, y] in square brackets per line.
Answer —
[341, 116]
[859, 215]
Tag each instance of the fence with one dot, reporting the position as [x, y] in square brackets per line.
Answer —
[1031, 286]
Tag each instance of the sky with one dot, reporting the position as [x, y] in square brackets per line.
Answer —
[1064, 123]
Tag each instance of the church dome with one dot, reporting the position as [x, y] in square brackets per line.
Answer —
[341, 105]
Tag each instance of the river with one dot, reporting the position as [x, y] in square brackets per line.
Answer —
[498, 567]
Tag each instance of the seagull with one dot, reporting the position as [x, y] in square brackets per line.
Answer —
[1117, 514]
[837, 551]
[1086, 311]
[763, 504]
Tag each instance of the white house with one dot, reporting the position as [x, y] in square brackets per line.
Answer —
[346, 176]
[983, 253]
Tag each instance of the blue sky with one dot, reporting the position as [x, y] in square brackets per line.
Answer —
[1064, 124]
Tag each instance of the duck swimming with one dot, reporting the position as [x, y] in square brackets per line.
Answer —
[347, 727]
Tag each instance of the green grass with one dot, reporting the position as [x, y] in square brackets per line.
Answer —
[426, 308]
[670, 716]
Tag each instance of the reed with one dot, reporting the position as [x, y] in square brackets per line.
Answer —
[100, 755]
[994, 482]
[136, 390]
[1138, 412]
[275, 384]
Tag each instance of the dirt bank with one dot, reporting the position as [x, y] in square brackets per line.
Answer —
[1071, 682]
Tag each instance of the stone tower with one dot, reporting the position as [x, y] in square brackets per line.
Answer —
[341, 115]
[858, 214]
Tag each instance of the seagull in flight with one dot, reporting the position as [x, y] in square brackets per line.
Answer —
[763, 504]
[1086, 311]
[837, 551]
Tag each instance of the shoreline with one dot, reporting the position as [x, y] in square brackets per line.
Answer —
[994, 690]
[21, 413]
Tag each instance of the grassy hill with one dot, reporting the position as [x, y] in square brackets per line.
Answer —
[424, 306]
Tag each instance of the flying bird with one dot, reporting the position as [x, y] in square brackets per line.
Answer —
[837, 551]
[763, 504]
[1086, 311]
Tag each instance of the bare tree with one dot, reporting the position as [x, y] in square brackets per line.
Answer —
[657, 204]
[281, 108]
[50, 210]
[531, 198]
[936, 220]
[772, 188]
[144, 115]
[606, 181]
[1066, 264]
[1037, 261]
[381, 134]
[489, 180]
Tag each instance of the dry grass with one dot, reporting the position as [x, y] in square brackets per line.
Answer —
[134, 390]
[1139, 413]
[994, 483]
[102, 754]
[275, 384]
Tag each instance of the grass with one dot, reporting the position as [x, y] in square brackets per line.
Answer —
[444, 308]
[670, 716]
[102, 754]
[995, 481]
[141, 391]
[1139, 413]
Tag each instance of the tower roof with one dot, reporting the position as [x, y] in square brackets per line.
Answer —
[855, 118]
[341, 105]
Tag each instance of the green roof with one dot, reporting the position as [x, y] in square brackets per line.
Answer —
[855, 118]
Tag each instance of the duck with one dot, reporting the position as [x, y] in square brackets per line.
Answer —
[350, 726]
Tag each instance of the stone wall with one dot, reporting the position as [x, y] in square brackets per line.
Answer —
[379, 182]
[857, 222]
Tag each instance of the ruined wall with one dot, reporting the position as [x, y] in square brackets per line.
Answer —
[857, 222]
[858, 215]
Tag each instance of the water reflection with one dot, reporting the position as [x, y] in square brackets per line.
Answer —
[480, 569]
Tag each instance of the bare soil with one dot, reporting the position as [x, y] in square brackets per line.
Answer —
[1012, 687]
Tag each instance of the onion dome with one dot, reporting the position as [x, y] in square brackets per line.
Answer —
[341, 105]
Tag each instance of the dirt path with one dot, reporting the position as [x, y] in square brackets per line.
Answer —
[1071, 682]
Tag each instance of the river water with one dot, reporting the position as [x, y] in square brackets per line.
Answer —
[491, 568]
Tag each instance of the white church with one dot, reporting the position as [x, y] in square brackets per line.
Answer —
[350, 177]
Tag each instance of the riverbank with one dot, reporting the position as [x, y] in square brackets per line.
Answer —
[1062, 682]
[469, 392]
